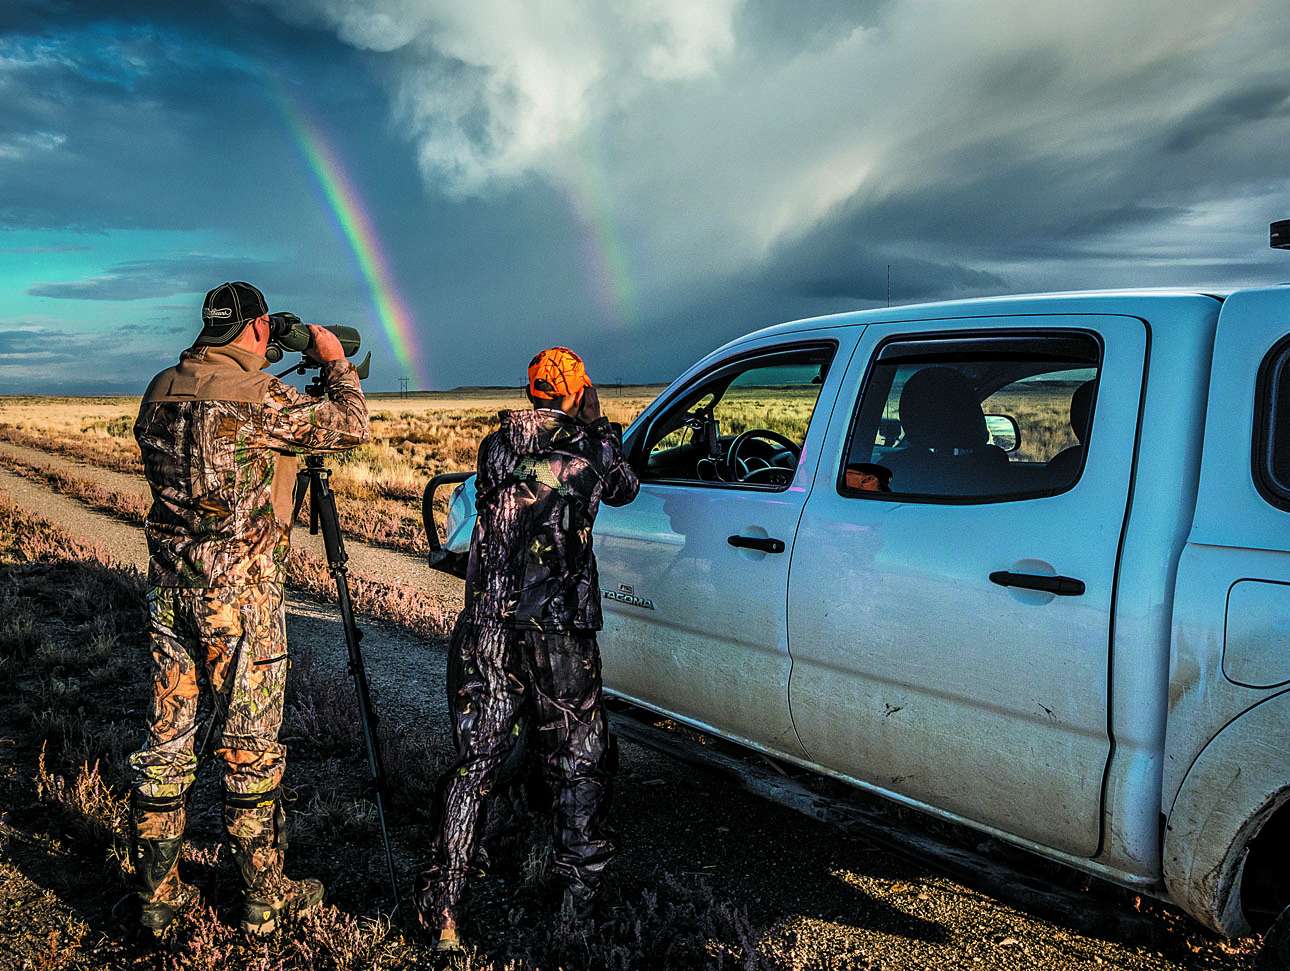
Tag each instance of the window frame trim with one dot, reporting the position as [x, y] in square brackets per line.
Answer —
[1267, 400]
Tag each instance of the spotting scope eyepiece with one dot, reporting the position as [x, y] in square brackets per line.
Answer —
[287, 332]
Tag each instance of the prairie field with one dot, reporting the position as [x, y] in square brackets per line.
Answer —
[378, 485]
[1042, 409]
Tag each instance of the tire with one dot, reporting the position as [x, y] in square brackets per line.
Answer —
[1274, 955]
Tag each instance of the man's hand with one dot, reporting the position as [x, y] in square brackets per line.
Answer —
[324, 347]
[588, 405]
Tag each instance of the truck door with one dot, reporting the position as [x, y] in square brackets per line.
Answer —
[695, 570]
[950, 637]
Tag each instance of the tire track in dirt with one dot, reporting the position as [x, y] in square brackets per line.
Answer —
[387, 565]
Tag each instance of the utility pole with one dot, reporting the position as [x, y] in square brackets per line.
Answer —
[403, 387]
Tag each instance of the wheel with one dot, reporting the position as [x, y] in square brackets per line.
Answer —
[738, 464]
[1274, 955]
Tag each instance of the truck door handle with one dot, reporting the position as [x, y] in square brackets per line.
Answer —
[767, 544]
[1062, 586]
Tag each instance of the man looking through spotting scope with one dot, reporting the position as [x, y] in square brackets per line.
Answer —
[525, 643]
[219, 440]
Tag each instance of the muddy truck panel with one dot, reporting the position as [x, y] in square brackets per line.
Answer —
[1228, 745]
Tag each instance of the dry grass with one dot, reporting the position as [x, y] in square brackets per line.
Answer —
[1042, 409]
[379, 484]
[400, 603]
[63, 861]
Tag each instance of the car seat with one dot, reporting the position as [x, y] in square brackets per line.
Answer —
[947, 448]
[1065, 465]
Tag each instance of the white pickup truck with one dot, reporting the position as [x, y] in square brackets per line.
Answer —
[1022, 563]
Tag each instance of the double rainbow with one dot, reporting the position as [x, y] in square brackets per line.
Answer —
[352, 220]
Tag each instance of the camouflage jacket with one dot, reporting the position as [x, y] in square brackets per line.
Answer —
[540, 481]
[219, 439]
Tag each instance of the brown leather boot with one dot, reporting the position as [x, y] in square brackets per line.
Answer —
[268, 896]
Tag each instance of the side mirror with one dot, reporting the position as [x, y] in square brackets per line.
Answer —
[1004, 432]
[889, 431]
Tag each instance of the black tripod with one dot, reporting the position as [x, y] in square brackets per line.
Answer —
[312, 481]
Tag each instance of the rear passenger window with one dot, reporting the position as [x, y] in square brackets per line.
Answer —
[1272, 427]
[973, 419]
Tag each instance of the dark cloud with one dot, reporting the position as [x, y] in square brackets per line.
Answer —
[26, 340]
[68, 361]
[1227, 113]
[845, 260]
[168, 116]
[150, 279]
[38, 250]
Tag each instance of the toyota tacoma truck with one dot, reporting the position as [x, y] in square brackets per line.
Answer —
[1022, 563]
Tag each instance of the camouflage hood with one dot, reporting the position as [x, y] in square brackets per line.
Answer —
[537, 430]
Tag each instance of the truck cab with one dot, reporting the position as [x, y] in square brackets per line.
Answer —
[936, 552]
[1022, 563]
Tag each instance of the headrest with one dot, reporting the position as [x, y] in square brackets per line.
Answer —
[1082, 410]
[939, 409]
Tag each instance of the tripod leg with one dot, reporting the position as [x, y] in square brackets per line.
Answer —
[323, 513]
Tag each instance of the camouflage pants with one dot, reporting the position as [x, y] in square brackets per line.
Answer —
[555, 679]
[232, 639]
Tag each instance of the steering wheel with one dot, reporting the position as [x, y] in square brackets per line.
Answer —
[739, 467]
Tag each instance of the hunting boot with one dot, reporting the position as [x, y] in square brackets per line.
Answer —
[155, 859]
[258, 843]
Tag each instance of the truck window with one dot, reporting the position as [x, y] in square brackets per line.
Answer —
[1271, 458]
[973, 419]
[741, 424]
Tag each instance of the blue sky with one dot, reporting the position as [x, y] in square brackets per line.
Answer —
[640, 180]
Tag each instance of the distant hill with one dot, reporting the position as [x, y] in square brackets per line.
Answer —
[487, 391]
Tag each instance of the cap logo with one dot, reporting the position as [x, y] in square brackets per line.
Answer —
[221, 313]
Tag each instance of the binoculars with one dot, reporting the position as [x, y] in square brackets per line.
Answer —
[287, 332]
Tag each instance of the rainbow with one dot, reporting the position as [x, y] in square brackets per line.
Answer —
[606, 257]
[355, 225]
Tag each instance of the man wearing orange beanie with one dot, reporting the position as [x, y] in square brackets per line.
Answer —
[526, 640]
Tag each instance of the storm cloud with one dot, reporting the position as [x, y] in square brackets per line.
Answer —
[646, 179]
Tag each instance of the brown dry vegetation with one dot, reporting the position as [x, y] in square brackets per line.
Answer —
[1042, 409]
[380, 483]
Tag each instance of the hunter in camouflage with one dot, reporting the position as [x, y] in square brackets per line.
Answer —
[219, 439]
[526, 643]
